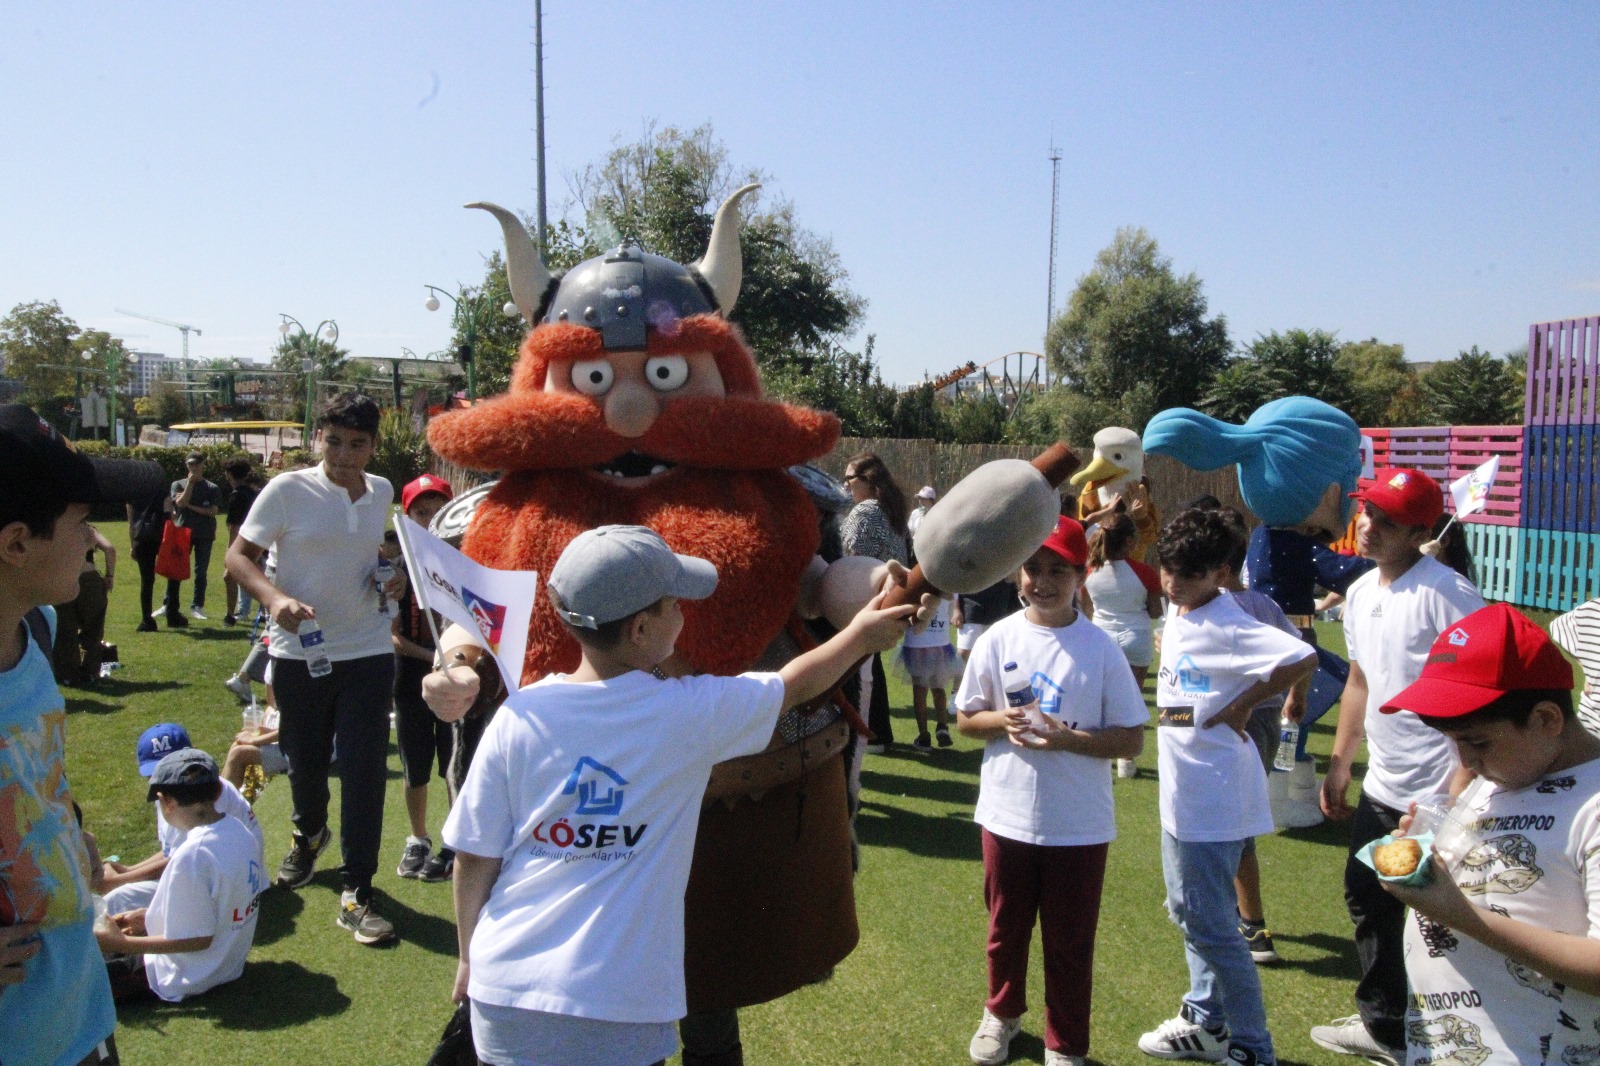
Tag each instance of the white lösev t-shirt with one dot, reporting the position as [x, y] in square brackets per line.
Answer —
[1212, 787]
[325, 548]
[209, 888]
[1081, 677]
[1539, 862]
[229, 802]
[589, 794]
[1389, 632]
[937, 633]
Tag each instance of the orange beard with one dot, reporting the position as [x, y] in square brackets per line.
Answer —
[758, 527]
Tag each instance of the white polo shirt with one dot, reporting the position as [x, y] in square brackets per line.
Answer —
[325, 546]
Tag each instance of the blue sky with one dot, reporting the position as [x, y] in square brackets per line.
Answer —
[1425, 174]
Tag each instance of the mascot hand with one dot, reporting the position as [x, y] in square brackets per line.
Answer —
[887, 574]
[878, 628]
[450, 692]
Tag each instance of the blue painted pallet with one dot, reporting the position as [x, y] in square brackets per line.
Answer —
[1497, 556]
[1559, 569]
[1561, 478]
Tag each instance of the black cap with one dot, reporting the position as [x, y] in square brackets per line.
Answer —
[189, 766]
[37, 459]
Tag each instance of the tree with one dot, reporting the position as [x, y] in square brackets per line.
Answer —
[841, 381]
[1296, 363]
[104, 350]
[36, 343]
[1474, 389]
[327, 365]
[1381, 382]
[979, 419]
[663, 190]
[1134, 335]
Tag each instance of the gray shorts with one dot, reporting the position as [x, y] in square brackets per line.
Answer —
[511, 1036]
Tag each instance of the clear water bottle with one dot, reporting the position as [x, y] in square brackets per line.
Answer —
[311, 643]
[1288, 740]
[381, 577]
[1020, 694]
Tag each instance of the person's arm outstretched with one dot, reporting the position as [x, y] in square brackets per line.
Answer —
[874, 629]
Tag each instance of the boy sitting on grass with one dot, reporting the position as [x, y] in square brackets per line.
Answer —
[198, 928]
[576, 824]
[1501, 951]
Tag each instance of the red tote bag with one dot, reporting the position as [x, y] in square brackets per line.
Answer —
[172, 561]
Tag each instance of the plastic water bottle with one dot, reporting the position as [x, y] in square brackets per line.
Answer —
[311, 643]
[381, 577]
[1020, 694]
[1288, 740]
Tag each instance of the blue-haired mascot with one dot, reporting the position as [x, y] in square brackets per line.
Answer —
[1298, 461]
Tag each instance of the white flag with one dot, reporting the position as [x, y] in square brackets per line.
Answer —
[496, 604]
[1471, 493]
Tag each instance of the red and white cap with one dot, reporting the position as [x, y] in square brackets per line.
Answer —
[1406, 495]
[1479, 659]
[425, 483]
[1068, 541]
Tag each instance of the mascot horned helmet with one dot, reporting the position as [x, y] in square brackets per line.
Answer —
[626, 291]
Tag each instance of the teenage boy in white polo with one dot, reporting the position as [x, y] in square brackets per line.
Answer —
[1393, 614]
[325, 526]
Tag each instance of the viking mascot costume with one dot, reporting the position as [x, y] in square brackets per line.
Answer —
[635, 401]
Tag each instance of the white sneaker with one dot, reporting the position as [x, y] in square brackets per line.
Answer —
[239, 687]
[992, 1042]
[1184, 1038]
[195, 612]
[1127, 768]
[1061, 1058]
[1349, 1036]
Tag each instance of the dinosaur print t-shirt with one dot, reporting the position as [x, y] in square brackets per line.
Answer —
[1537, 860]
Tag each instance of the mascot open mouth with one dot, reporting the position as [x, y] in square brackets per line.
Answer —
[634, 467]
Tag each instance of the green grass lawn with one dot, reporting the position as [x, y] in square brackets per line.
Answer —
[912, 991]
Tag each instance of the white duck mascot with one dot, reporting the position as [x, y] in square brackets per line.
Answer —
[1117, 472]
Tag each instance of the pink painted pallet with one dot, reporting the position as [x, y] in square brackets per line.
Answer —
[1563, 372]
[1380, 446]
[1471, 447]
[1426, 449]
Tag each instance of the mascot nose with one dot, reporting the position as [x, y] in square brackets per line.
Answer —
[631, 409]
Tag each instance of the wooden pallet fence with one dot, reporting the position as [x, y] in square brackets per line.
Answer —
[1563, 372]
[1497, 557]
[1559, 570]
[1380, 446]
[1424, 448]
[1470, 448]
[1560, 467]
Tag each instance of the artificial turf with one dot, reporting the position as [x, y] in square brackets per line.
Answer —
[912, 991]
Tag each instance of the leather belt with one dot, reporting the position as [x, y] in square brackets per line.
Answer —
[755, 774]
[1302, 621]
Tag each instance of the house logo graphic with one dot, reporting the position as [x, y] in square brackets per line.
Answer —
[597, 786]
[1458, 637]
[491, 617]
[1190, 677]
[1049, 694]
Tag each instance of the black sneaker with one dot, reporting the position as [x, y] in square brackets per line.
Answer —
[301, 862]
[177, 621]
[415, 857]
[922, 743]
[1259, 938]
[147, 626]
[1245, 1057]
[440, 867]
[230, 620]
[943, 735]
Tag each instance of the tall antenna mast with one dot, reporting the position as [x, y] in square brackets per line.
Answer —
[538, 105]
[1055, 211]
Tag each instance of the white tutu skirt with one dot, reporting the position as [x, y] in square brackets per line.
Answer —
[936, 667]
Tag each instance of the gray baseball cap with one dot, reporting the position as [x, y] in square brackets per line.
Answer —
[188, 766]
[609, 573]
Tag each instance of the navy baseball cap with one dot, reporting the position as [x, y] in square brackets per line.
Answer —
[159, 741]
[190, 766]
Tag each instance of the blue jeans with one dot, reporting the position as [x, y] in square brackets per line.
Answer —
[1223, 985]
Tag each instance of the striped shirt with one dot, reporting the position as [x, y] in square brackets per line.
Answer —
[1578, 631]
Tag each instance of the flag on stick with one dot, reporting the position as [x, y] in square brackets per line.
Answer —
[1471, 493]
[495, 604]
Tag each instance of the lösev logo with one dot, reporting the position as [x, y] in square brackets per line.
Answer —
[600, 792]
[1187, 677]
[588, 777]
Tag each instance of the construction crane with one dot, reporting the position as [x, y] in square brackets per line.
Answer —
[181, 327]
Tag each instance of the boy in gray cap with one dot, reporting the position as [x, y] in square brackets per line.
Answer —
[575, 826]
[197, 931]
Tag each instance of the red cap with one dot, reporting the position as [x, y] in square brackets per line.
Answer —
[1479, 659]
[1068, 541]
[425, 483]
[1408, 496]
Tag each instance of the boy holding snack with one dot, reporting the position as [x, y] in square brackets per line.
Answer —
[1501, 952]
[575, 826]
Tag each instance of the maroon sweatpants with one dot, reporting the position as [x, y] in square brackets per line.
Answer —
[1062, 886]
